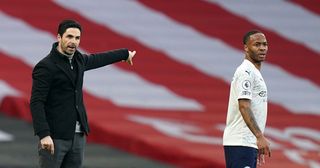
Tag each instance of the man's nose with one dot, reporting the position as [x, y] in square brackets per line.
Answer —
[262, 47]
[73, 40]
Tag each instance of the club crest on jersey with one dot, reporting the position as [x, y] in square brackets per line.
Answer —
[263, 94]
[246, 84]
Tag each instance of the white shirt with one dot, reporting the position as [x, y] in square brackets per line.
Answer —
[247, 83]
[78, 127]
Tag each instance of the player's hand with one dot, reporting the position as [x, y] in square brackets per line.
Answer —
[130, 57]
[46, 143]
[263, 149]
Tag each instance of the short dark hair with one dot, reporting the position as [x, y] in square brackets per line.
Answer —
[248, 34]
[65, 24]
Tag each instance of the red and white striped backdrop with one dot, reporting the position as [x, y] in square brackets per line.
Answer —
[171, 105]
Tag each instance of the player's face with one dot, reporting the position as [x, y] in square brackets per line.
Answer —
[69, 41]
[256, 48]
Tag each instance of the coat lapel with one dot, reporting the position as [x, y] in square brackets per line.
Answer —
[64, 67]
[80, 71]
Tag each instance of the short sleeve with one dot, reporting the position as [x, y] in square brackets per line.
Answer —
[243, 84]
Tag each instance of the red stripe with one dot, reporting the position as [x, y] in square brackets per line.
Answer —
[149, 63]
[18, 75]
[108, 126]
[221, 24]
[16, 106]
[48, 19]
[108, 122]
[311, 5]
[8, 66]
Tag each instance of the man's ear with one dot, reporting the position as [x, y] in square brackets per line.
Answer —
[245, 47]
[59, 37]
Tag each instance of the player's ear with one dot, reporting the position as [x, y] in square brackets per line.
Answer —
[245, 47]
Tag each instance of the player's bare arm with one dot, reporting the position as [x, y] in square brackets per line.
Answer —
[248, 117]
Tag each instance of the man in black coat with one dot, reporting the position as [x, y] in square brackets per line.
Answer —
[57, 108]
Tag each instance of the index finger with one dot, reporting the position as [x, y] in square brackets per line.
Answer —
[130, 61]
[268, 151]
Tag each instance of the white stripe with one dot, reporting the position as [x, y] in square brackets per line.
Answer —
[295, 94]
[129, 89]
[22, 41]
[124, 88]
[157, 31]
[7, 90]
[287, 19]
[209, 55]
[178, 130]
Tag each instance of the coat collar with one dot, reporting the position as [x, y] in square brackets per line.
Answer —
[62, 61]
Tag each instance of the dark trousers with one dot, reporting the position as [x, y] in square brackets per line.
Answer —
[240, 156]
[67, 153]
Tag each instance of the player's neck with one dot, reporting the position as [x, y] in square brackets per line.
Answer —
[257, 64]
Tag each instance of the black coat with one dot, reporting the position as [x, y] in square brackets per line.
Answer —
[56, 100]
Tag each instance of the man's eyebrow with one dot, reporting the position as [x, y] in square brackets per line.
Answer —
[259, 42]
